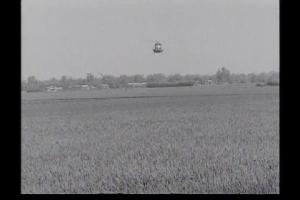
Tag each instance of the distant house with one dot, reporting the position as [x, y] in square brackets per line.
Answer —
[137, 85]
[54, 89]
[74, 87]
[104, 86]
[85, 87]
[209, 82]
[197, 83]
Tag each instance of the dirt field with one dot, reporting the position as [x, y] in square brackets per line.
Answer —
[212, 139]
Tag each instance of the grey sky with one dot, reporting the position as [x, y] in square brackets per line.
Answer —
[74, 37]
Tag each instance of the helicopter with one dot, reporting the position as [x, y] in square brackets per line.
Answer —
[158, 48]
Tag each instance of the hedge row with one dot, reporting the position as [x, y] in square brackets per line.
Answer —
[180, 84]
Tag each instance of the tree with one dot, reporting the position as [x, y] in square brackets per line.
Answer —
[223, 75]
[156, 78]
[273, 78]
[251, 78]
[175, 78]
[23, 85]
[90, 78]
[110, 80]
[32, 83]
[97, 82]
[63, 82]
[123, 80]
[191, 77]
[262, 77]
[53, 81]
[138, 78]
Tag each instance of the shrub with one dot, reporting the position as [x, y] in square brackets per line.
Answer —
[167, 84]
[273, 83]
[260, 84]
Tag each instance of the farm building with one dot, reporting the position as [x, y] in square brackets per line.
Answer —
[197, 83]
[88, 87]
[54, 89]
[209, 82]
[137, 85]
[91, 87]
[103, 86]
[85, 87]
[74, 87]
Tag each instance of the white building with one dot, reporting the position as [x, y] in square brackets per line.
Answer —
[197, 83]
[85, 87]
[54, 89]
[209, 82]
[135, 85]
[104, 86]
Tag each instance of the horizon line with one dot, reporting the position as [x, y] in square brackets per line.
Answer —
[99, 74]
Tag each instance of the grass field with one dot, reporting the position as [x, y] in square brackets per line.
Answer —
[215, 139]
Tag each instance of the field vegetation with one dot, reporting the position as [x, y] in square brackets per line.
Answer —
[214, 139]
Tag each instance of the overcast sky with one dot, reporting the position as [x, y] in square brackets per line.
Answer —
[75, 37]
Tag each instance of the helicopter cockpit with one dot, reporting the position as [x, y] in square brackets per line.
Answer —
[157, 48]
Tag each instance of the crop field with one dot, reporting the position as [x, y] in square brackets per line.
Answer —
[213, 139]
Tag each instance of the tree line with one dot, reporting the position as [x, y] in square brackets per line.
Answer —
[222, 76]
